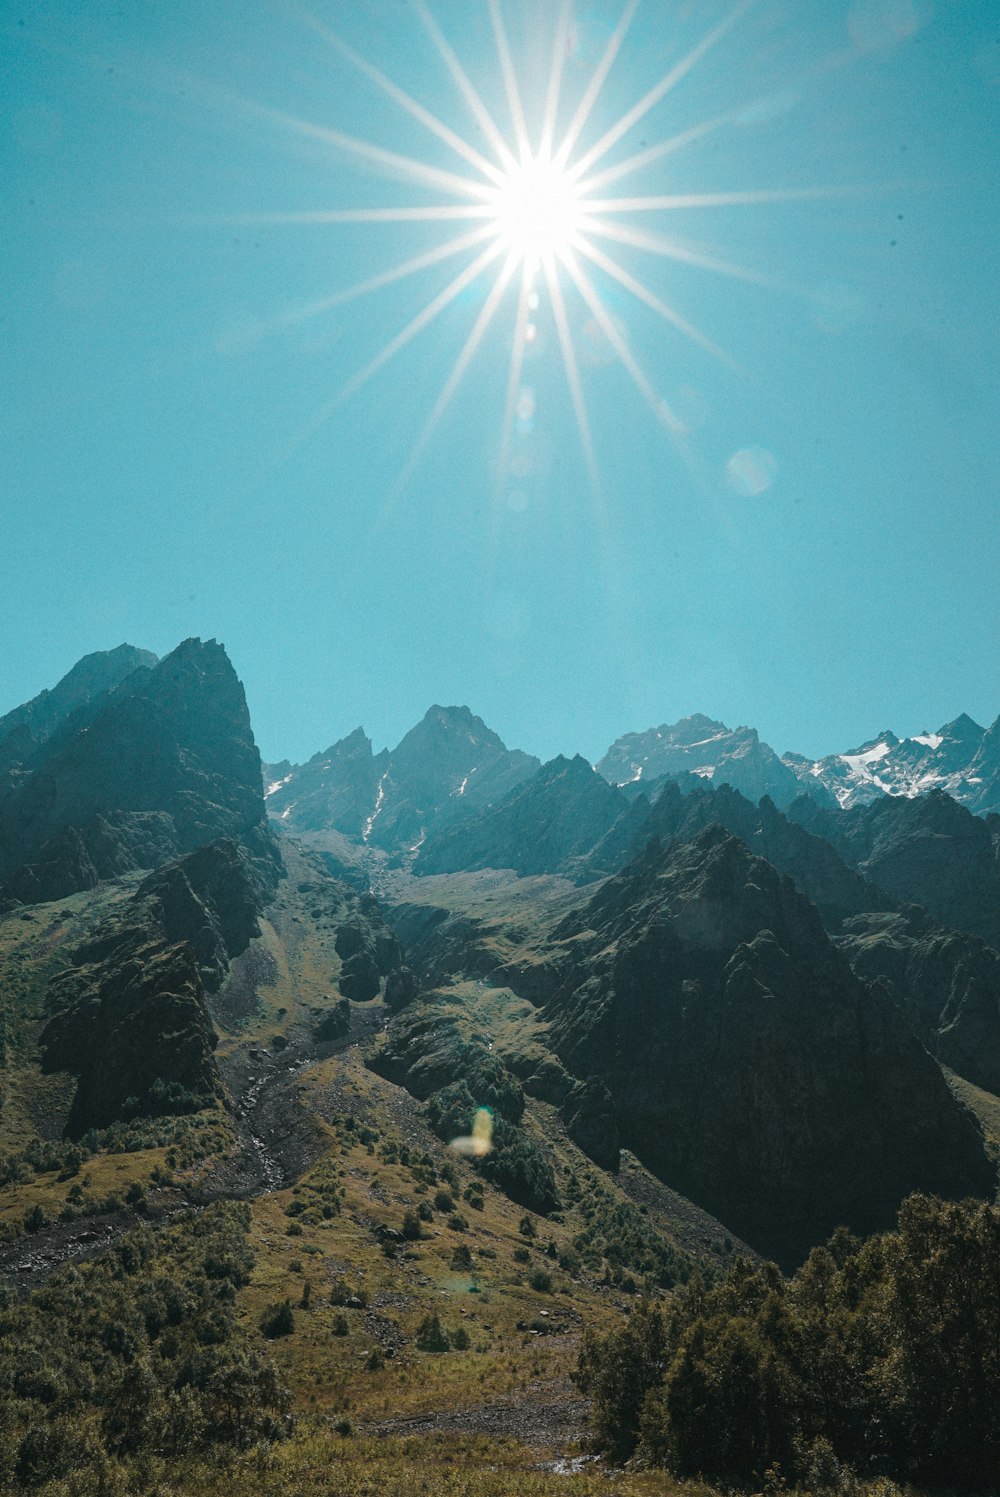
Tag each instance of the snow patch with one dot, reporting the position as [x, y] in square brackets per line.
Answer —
[379, 798]
[858, 763]
[930, 740]
[276, 785]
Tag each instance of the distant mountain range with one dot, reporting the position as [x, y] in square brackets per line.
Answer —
[451, 767]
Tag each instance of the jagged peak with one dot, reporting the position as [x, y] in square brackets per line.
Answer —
[962, 728]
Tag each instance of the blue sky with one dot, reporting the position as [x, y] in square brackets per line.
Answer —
[814, 553]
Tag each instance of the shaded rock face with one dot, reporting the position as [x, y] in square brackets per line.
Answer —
[401, 988]
[546, 825]
[129, 1017]
[589, 1114]
[32, 724]
[746, 1063]
[947, 983]
[336, 789]
[79, 858]
[334, 1024]
[172, 739]
[368, 952]
[817, 869]
[928, 850]
[446, 768]
[701, 746]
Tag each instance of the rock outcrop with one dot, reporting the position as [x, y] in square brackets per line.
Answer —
[128, 1017]
[947, 983]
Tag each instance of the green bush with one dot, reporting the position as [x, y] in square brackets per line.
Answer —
[134, 1354]
[278, 1320]
[881, 1358]
[431, 1335]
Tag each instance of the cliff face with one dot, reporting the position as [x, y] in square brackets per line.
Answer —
[929, 850]
[170, 741]
[746, 1063]
[947, 983]
[128, 1016]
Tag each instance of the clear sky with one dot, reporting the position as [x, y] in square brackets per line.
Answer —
[790, 513]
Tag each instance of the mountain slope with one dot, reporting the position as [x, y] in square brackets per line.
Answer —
[448, 767]
[928, 850]
[543, 826]
[34, 722]
[747, 1064]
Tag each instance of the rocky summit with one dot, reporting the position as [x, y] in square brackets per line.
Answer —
[171, 739]
[700, 746]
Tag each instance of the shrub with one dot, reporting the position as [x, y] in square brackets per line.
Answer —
[431, 1335]
[411, 1226]
[278, 1320]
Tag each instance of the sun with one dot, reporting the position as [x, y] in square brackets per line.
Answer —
[538, 212]
[534, 211]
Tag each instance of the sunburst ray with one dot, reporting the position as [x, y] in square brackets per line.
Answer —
[661, 409]
[597, 82]
[391, 162]
[551, 110]
[654, 302]
[407, 102]
[670, 80]
[572, 371]
[413, 266]
[468, 352]
[674, 249]
[469, 94]
[423, 318]
[510, 81]
[516, 368]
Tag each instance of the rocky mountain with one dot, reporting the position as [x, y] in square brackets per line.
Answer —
[947, 983]
[548, 824]
[928, 850]
[336, 789]
[171, 740]
[27, 726]
[961, 758]
[746, 1063]
[699, 745]
[447, 767]
[128, 1016]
